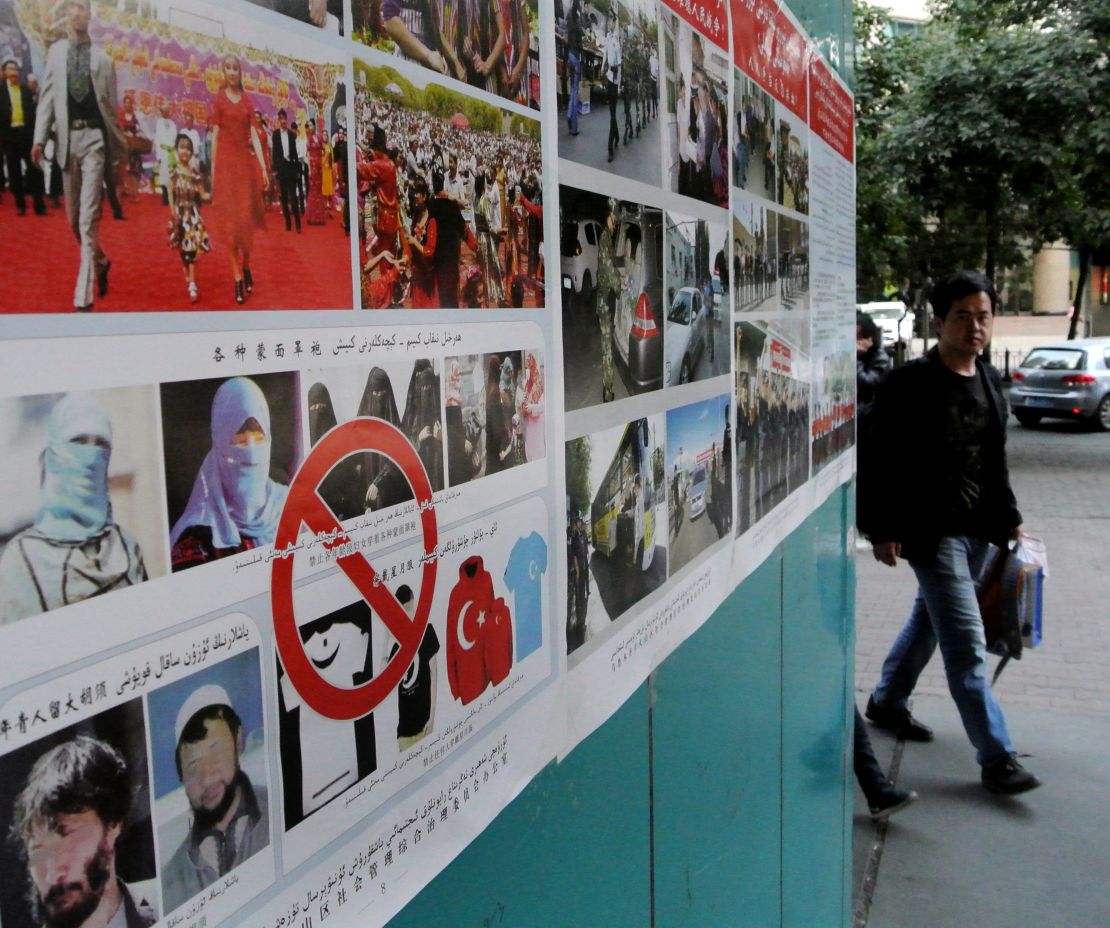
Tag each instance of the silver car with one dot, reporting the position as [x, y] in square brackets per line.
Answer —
[1065, 380]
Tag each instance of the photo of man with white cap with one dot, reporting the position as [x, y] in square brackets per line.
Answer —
[229, 817]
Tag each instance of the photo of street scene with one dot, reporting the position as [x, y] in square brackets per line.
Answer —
[492, 46]
[607, 68]
[449, 197]
[772, 422]
[616, 524]
[696, 338]
[834, 405]
[695, 137]
[753, 154]
[611, 271]
[495, 413]
[770, 258]
[699, 477]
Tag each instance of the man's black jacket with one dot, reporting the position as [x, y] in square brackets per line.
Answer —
[904, 491]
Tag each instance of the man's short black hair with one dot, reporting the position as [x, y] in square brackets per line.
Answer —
[868, 328]
[958, 286]
[281, 113]
[75, 776]
[196, 729]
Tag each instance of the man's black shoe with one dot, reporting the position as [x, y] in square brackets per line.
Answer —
[1008, 777]
[898, 721]
[888, 802]
[102, 278]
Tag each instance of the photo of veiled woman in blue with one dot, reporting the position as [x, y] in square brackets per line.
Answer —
[238, 489]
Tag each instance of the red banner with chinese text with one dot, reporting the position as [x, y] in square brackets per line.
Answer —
[832, 115]
[709, 17]
[769, 48]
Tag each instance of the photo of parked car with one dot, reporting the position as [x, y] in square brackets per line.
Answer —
[697, 273]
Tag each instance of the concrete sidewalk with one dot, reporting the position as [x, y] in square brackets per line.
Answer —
[962, 856]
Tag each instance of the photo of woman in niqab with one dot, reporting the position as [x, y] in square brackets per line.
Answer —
[497, 433]
[234, 505]
[385, 484]
[343, 489]
[460, 453]
[421, 422]
[73, 550]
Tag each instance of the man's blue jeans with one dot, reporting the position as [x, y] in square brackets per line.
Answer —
[946, 612]
[575, 67]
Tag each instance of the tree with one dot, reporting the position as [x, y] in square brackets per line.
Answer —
[579, 496]
[982, 137]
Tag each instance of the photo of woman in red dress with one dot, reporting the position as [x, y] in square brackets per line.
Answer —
[239, 176]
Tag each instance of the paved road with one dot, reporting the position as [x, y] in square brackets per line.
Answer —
[619, 586]
[582, 374]
[1059, 474]
[640, 160]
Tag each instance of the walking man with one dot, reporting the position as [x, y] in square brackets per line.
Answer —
[287, 167]
[17, 128]
[939, 424]
[574, 62]
[612, 49]
[78, 104]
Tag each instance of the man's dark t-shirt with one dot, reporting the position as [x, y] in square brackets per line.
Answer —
[965, 440]
[414, 692]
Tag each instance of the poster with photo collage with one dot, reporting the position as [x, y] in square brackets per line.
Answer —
[387, 388]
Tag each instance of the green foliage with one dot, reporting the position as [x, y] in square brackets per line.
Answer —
[579, 496]
[984, 135]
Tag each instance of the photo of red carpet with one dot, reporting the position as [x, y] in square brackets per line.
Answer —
[39, 259]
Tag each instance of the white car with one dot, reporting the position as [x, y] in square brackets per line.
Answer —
[684, 340]
[894, 319]
[696, 496]
[578, 261]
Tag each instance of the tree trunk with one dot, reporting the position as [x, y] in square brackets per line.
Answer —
[994, 236]
[1080, 289]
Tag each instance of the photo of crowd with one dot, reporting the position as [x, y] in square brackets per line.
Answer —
[696, 340]
[495, 413]
[80, 517]
[834, 407]
[494, 47]
[755, 145]
[449, 197]
[696, 151]
[611, 270]
[200, 164]
[754, 250]
[772, 423]
[770, 259]
[607, 65]
[407, 395]
[230, 448]
[79, 798]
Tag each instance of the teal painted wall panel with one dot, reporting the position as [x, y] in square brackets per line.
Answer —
[817, 623]
[572, 847]
[717, 760]
[748, 779]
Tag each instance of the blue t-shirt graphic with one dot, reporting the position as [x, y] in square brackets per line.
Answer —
[527, 564]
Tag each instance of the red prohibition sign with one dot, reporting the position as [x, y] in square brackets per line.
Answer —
[304, 505]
